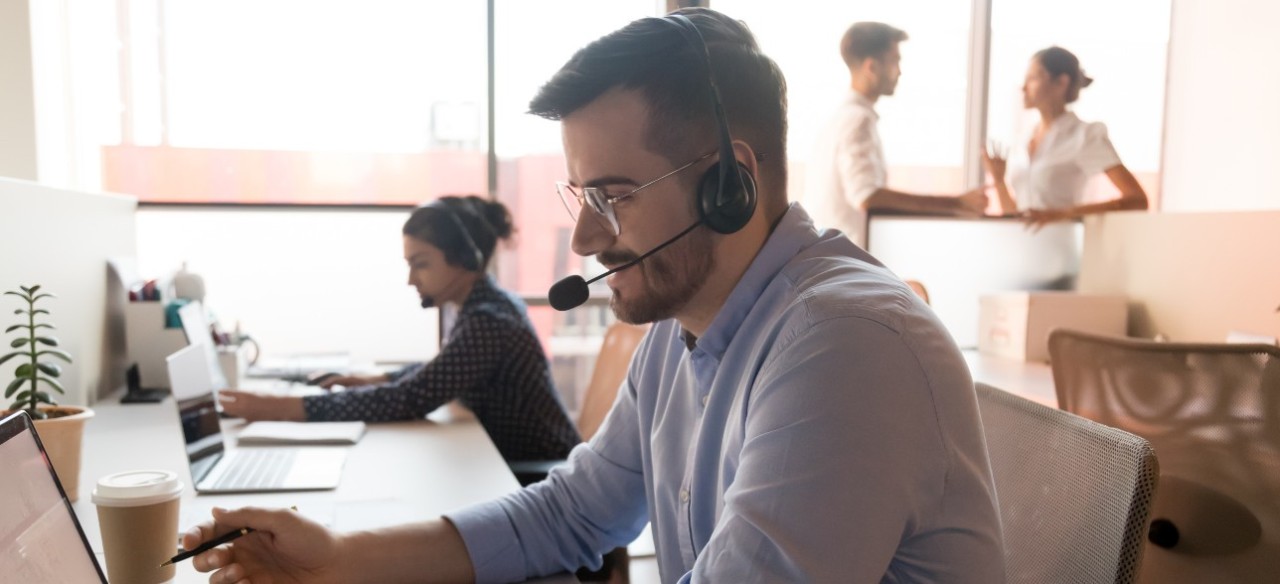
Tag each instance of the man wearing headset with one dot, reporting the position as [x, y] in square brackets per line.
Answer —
[795, 414]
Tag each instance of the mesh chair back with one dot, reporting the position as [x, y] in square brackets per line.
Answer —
[1212, 412]
[1074, 495]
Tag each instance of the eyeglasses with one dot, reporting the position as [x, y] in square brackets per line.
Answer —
[601, 202]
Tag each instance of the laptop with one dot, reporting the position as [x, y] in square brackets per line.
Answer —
[195, 325]
[246, 469]
[40, 538]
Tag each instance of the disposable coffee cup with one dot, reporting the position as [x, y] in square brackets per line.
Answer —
[138, 517]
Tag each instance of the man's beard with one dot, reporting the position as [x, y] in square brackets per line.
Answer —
[888, 87]
[671, 278]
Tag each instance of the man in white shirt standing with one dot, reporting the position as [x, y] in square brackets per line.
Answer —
[847, 173]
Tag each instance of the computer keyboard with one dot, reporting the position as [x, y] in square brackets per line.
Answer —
[256, 468]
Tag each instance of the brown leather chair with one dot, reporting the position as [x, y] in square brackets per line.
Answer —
[918, 287]
[1212, 412]
[620, 342]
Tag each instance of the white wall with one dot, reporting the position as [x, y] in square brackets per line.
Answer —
[1222, 118]
[298, 281]
[61, 240]
[1188, 276]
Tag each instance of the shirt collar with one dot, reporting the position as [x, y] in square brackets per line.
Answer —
[1064, 122]
[862, 101]
[794, 232]
[482, 292]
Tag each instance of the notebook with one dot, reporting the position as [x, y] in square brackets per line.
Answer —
[249, 469]
[302, 433]
[40, 537]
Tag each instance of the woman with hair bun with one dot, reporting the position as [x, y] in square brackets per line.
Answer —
[491, 361]
[1049, 168]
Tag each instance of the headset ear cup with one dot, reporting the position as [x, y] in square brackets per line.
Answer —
[729, 211]
[476, 260]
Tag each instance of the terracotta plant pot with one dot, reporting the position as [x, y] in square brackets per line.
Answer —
[62, 438]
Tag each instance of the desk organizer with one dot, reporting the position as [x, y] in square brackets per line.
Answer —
[150, 342]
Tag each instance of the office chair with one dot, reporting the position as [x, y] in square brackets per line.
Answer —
[620, 342]
[918, 287]
[1073, 494]
[1212, 412]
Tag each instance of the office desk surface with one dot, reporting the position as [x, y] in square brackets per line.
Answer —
[1031, 380]
[398, 472]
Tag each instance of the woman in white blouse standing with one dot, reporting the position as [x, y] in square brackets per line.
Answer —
[1049, 173]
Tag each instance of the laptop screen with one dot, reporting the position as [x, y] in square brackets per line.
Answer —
[39, 532]
[196, 328]
[189, 377]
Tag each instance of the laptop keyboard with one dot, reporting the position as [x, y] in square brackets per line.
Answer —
[257, 468]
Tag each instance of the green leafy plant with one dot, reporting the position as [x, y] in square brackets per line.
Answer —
[38, 349]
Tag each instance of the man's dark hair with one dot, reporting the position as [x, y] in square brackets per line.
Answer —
[868, 40]
[654, 58]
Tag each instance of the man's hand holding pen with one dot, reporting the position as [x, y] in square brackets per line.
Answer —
[277, 546]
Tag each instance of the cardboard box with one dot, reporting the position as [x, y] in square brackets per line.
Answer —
[1016, 325]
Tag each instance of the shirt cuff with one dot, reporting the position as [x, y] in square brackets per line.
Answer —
[313, 407]
[491, 542]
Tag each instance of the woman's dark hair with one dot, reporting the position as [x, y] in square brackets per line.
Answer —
[1059, 61]
[466, 228]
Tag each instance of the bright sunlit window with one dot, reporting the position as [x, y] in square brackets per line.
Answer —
[921, 125]
[532, 41]
[1122, 44]
[289, 101]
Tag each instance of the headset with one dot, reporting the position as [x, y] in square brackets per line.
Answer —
[475, 261]
[727, 191]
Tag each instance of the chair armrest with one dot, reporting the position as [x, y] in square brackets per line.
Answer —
[532, 471]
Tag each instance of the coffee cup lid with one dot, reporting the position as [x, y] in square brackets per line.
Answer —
[136, 488]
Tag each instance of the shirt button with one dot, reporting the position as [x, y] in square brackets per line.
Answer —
[684, 496]
[704, 400]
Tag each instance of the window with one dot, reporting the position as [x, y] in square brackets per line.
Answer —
[387, 103]
[287, 101]
[922, 125]
[531, 159]
[1122, 45]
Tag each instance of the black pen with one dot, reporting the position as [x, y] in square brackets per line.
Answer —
[208, 545]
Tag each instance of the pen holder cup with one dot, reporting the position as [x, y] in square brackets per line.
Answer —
[138, 517]
[234, 361]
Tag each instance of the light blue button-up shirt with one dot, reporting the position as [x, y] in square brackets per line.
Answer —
[824, 429]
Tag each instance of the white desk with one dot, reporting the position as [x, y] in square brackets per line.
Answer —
[399, 472]
[1033, 381]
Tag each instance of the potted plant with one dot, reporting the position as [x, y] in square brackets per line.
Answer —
[61, 428]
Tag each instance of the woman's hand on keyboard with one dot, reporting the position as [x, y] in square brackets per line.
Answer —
[254, 406]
